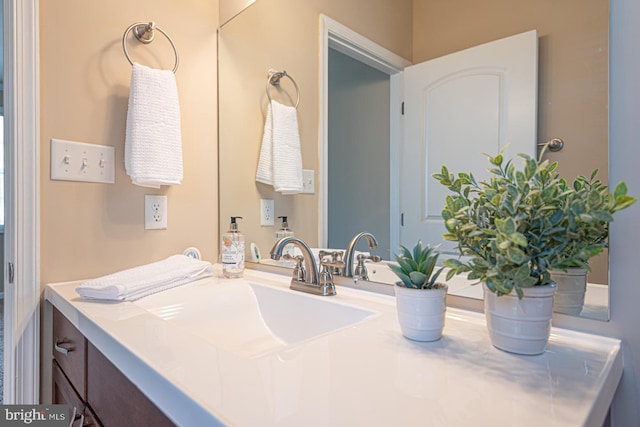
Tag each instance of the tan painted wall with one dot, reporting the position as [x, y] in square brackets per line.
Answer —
[88, 229]
[284, 34]
[573, 68]
[230, 8]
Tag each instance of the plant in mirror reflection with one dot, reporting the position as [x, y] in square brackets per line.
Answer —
[591, 207]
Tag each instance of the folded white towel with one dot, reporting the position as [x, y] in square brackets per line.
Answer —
[280, 161]
[153, 145]
[138, 282]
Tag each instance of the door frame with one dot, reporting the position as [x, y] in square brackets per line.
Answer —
[343, 39]
[22, 199]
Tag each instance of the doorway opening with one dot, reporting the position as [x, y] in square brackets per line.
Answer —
[337, 39]
[358, 152]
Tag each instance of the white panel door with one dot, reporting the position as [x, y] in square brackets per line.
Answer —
[458, 107]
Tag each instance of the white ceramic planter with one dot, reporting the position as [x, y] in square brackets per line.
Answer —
[571, 288]
[520, 326]
[421, 312]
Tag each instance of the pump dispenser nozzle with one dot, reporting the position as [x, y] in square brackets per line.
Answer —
[234, 225]
[285, 224]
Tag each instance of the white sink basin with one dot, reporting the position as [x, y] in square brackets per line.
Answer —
[249, 319]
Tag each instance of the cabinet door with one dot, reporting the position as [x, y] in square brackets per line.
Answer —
[69, 350]
[64, 394]
[116, 400]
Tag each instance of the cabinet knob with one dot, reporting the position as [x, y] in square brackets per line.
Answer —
[60, 349]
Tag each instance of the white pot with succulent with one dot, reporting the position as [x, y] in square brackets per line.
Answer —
[591, 208]
[420, 300]
[512, 230]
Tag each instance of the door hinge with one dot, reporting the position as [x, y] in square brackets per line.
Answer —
[10, 272]
[402, 219]
[402, 108]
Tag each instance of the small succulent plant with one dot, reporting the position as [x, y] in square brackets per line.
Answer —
[415, 268]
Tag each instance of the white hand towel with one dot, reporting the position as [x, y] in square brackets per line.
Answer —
[280, 161]
[138, 282]
[153, 145]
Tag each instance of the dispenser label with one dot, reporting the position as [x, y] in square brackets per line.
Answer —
[232, 254]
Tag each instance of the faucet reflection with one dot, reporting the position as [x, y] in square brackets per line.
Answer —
[349, 256]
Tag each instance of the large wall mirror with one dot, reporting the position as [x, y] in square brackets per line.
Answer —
[572, 104]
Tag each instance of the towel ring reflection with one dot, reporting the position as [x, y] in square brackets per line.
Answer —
[553, 145]
[274, 80]
[144, 32]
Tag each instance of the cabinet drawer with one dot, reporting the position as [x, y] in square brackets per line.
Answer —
[115, 400]
[64, 394]
[70, 351]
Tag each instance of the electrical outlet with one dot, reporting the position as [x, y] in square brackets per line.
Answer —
[267, 212]
[155, 212]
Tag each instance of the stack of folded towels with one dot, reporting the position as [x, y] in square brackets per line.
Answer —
[138, 282]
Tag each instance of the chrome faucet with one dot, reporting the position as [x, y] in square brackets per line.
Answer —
[306, 277]
[349, 255]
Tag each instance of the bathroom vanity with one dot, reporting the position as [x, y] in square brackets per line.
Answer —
[252, 352]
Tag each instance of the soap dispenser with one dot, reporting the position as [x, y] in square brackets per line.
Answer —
[289, 249]
[232, 251]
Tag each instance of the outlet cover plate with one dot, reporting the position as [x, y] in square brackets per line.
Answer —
[267, 212]
[155, 212]
[308, 181]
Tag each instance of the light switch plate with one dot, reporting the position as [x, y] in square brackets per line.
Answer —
[308, 181]
[79, 161]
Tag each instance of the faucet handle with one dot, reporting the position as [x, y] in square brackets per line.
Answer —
[363, 258]
[360, 271]
[326, 279]
[299, 272]
[333, 265]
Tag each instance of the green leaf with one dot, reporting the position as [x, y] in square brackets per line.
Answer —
[406, 253]
[518, 238]
[516, 255]
[408, 264]
[418, 279]
[623, 202]
[417, 252]
[506, 226]
[522, 272]
[620, 190]
[594, 198]
[403, 277]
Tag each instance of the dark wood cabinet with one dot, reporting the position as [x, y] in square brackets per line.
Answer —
[115, 400]
[65, 394]
[85, 380]
[70, 351]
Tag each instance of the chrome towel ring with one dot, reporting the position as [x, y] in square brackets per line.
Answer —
[144, 32]
[274, 78]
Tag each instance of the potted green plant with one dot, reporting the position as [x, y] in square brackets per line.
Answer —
[420, 299]
[590, 210]
[509, 230]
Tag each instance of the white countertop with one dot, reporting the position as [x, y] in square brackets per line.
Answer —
[365, 374]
